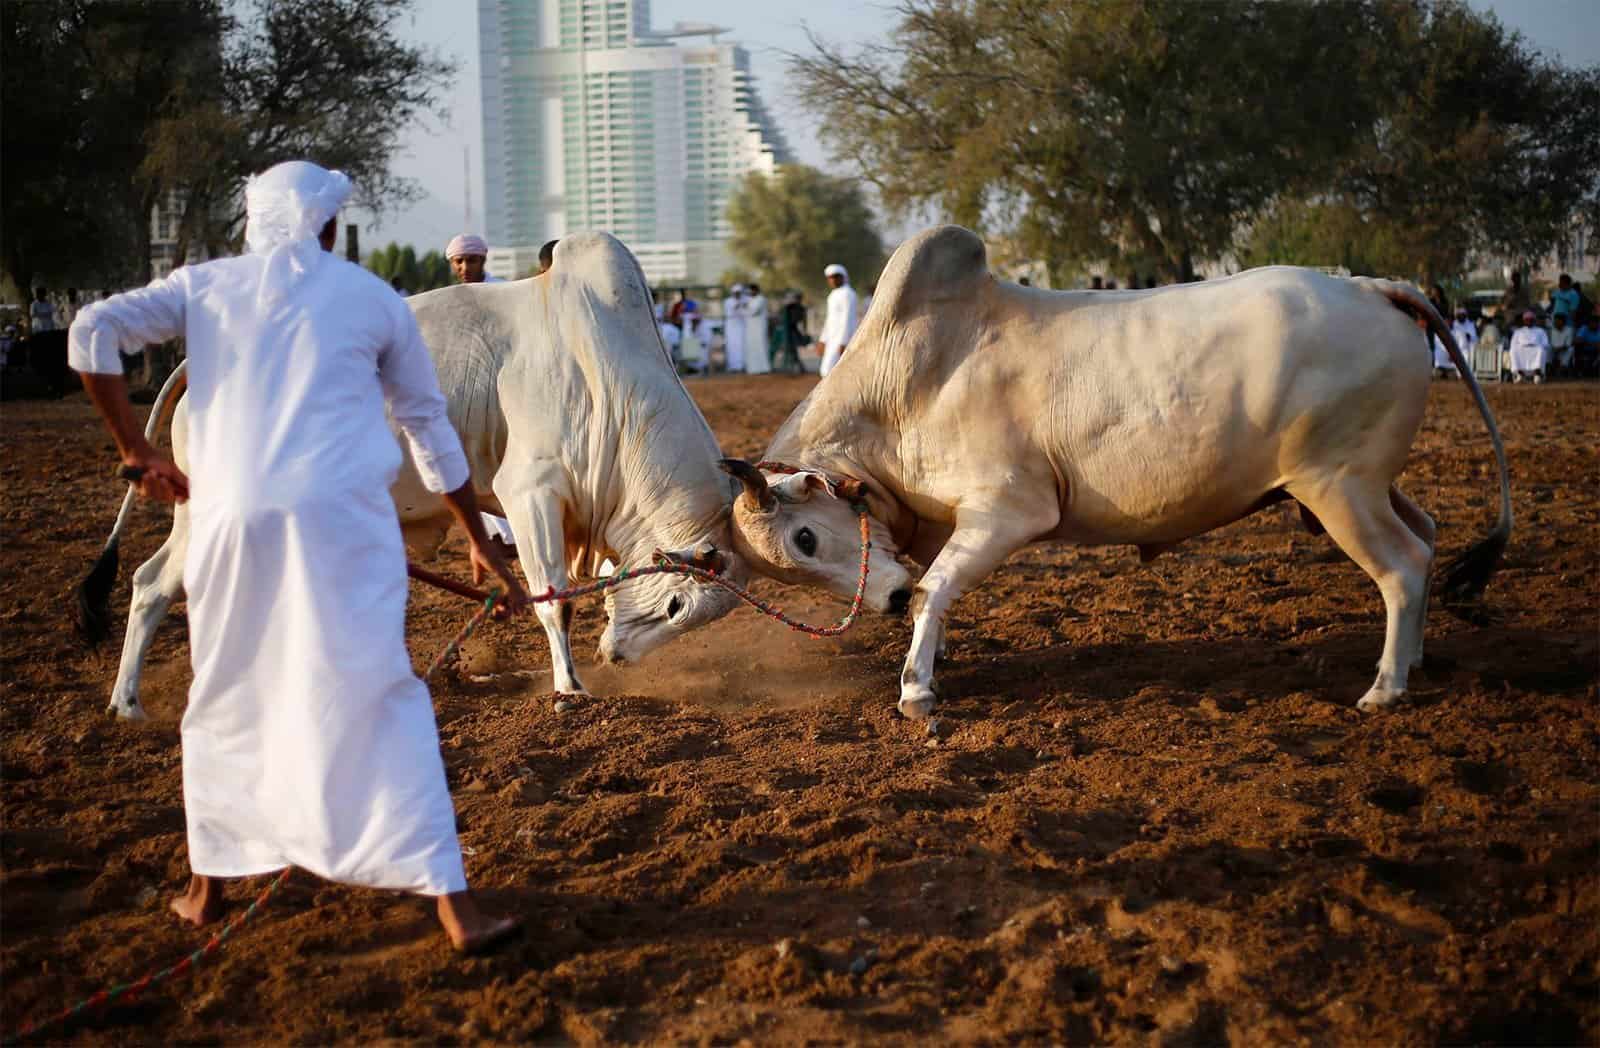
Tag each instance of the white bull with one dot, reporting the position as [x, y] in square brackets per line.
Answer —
[577, 429]
[976, 416]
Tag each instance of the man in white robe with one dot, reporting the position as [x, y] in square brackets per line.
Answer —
[308, 740]
[1466, 336]
[757, 357]
[733, 317]
[1529, 350]
[840, 324]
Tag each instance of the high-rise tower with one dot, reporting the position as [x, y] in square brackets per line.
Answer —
[594, 120]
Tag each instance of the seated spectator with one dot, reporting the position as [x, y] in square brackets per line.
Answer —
[1586, 347]
[1466, 336]
[671, 337]
[1529, 350]
[1560, 345]
[1489, 343]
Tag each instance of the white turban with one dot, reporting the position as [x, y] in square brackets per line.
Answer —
[836, 270]
[286, 206]
[466, 244]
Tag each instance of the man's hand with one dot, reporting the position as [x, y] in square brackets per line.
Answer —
[156, 476]
[486, 560]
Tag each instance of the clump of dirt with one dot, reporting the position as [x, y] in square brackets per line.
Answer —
[1149, 812]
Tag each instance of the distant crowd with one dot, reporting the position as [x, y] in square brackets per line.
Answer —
[1526, 340]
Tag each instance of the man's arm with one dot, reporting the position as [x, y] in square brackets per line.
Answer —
[157, 475]
[411, 386]
[99, 333]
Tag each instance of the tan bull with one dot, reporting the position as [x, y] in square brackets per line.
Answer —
[975, 417]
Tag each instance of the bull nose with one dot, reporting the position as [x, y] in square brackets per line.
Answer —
[899, 601]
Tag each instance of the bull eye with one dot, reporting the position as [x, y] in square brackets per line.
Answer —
[674, 606]
[806, 542]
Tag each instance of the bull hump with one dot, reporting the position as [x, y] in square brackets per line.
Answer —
[935, 265]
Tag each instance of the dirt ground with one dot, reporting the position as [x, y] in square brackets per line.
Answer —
[1152, 813]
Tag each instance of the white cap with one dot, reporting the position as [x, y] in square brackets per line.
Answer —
[835, 270]
[737, 288]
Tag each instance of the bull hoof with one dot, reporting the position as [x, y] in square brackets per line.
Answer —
[1378, 698]
[916, 703]
[129, 712]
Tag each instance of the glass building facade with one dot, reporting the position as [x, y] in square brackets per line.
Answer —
[593, 120]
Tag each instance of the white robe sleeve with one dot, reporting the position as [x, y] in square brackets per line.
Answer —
[411, 386]
[126, 323]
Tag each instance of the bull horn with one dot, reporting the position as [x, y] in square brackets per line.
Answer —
[758, 497]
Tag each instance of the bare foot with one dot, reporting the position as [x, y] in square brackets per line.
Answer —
[201, 904]
[470, 929]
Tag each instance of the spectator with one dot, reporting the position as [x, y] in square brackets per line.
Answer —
[8, 338]
[840, 324]
[467, 254]
[1586, 347]
[1585, 306]
[790, 334]
[1466, 336]
[1529, 350]
[65, 314]
[547, 257]
[693, 344]
[1024, 282]
[1560, 345]
[1489, 342]
[733, 330]
[41, 314]
[758, 361]
[671, 337]
[1515, 299]
[399, 288]
[1564, 299]
[1097, 284]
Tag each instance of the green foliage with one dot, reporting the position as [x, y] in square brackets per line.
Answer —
[786, 228]
[109, 103]
[82, 85]
[1398, 134]
[416, 274]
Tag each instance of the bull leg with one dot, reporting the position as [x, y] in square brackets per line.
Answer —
[981, 541]
[1366, 526]
[536, 521]
[1422, 527]
[156, 584]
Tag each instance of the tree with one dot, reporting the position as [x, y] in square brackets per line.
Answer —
[1129, 131]
[324, 80]
[788, 227]
[1153, 131]
[82, 85]
[416, 274]
[106, 104]
[1482, 147]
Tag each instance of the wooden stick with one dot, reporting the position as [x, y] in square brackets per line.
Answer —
[450, 585]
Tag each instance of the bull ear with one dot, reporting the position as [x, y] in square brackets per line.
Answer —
[757, 497]
[847, 488]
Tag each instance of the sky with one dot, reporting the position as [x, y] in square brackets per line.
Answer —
[431, 151]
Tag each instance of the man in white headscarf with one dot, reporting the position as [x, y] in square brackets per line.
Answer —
[841, 322]
[467, 254]
[1529, 350]
[308, 740]
[757, 359]
[733, 330]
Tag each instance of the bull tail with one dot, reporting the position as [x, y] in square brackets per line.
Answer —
[1467, 574]
[93, 620]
